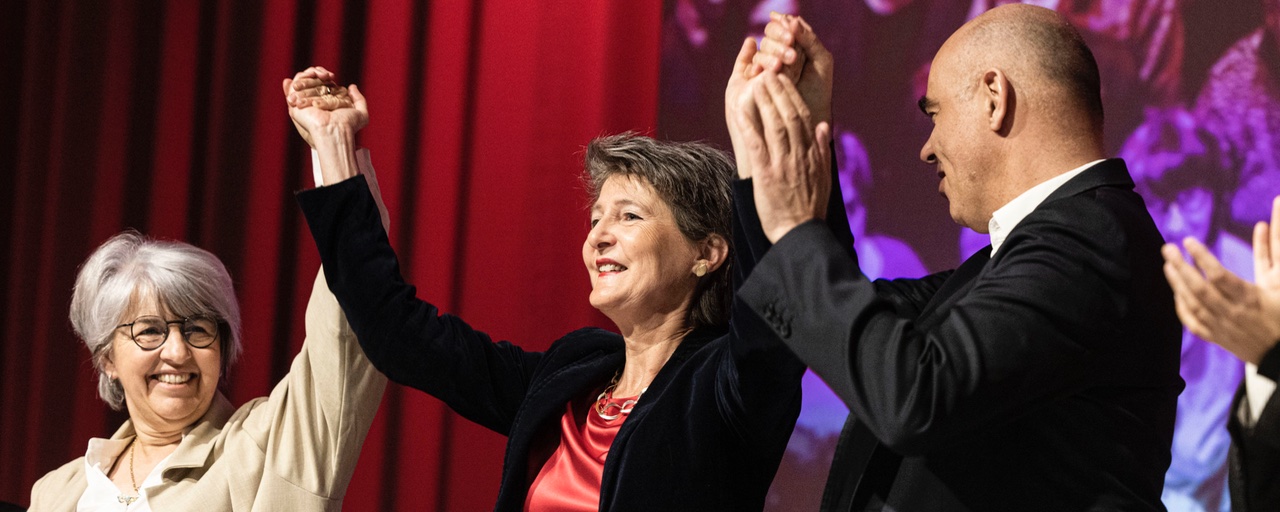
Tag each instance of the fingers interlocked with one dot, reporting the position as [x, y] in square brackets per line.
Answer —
[316, 87]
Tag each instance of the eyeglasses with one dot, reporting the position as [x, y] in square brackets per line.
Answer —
[149, 332]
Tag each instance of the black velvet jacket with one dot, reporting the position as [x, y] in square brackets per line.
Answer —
[708, 434]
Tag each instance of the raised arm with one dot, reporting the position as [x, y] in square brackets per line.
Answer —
[314, 422]
[792, 49]
[764, 374]
[405, 337]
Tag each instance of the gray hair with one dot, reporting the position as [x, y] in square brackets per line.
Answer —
[129, 267]
[694, 180]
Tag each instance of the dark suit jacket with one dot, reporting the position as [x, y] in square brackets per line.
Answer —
[1255, 452]
[708, 434]
[1044, 378]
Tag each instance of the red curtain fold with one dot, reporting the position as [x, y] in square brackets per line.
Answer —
[167, 117]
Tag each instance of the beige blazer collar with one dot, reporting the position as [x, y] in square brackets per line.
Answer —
[197, 444]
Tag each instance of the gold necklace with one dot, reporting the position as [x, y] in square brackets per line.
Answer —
[603, 404]
[122, 498]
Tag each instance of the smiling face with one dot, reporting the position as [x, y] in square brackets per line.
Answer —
[639, 262]
[169, 388]
[955, 144]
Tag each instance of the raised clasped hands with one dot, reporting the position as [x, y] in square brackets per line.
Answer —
[789, 156]
[777, 107]
[1219, 306]
[328, 117]
[791, 48]
[317, 105]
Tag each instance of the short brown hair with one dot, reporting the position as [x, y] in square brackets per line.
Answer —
[694, 180]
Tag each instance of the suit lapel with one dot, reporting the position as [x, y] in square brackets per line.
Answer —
[549, 398]
[693, 342]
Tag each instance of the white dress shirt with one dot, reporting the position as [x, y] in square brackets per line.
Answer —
[1257, 391]
[102, 495]
[1008, 216]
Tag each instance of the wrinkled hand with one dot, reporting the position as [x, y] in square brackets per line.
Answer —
[790, 157]
[1219, 306]
[792, 49]
[737, 94]
[319, 107]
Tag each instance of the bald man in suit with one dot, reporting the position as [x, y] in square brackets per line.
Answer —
[1042, 374]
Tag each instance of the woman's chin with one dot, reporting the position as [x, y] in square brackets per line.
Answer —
[601, 301]
[185, 410]
[609, 308]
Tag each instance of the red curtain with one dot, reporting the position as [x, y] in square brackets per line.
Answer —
[167, 117]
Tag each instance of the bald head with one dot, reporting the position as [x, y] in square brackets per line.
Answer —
[1014, 99]
[1043, 55]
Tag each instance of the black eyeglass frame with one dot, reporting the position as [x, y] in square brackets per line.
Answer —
[217, 331]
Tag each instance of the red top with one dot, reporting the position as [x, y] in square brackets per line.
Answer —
[570, 479]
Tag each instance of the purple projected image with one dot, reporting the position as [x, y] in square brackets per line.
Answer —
[1176, 166]
[1191, 90]
[1240, 103]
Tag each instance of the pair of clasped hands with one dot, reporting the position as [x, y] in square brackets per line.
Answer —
[777, 108]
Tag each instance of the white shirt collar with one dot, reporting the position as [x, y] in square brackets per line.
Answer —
[1008, 216]
[101, 494]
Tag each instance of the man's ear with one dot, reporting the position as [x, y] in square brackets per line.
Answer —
[997, 97]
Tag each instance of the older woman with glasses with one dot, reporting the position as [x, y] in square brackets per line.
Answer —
[680, 410]
[162, 325]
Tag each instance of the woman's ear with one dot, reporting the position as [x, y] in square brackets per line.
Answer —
[714, 250]
[109, 367]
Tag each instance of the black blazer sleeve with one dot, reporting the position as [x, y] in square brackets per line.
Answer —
[405, 337]
[1018, 334]
[908, 295]
[762, 374]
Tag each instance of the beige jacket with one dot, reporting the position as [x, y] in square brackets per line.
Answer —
[292, 450]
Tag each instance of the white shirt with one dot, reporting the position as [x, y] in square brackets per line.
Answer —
[365, 165]
[1257, 391]
[102, 495]
[1008, 216]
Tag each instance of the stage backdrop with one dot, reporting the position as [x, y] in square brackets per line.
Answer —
[168, 118]
[1192, 98]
